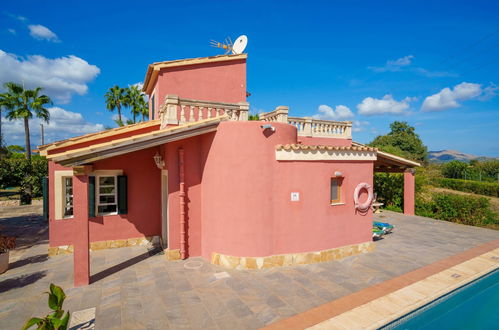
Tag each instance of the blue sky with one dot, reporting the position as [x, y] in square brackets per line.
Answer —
[434, 64]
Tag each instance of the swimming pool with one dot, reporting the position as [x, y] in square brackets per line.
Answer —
[473, 306]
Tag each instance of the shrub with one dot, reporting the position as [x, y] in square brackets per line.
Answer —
[468, 210]
[476, 187]
[7, 243]
[17, 172]
[55, 320]
[389, 187]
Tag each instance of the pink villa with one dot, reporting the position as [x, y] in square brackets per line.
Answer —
[200, 179]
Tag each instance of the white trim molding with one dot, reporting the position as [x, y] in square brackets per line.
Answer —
[324, 154]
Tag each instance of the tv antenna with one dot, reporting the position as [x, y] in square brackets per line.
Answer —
[236, 47]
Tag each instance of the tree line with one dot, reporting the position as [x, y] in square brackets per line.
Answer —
[403, 141]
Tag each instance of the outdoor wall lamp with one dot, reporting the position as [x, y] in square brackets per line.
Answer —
[160, 163]
[338, 174]
[268, 126]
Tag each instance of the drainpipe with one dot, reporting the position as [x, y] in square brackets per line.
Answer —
[182, 202]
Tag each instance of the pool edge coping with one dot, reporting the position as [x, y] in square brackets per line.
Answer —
[339, 306]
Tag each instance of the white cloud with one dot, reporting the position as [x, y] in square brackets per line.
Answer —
[386, 105]
[405, 64]
[449, 98]
[60, 77]
[63, 124]
[394, 65]
[41, 32]
[359, 126]
[340, 113]
[17, 17]
[434, 74]
[489, 92]
[12, 31]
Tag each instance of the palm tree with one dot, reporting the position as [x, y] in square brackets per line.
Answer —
[2, 101]
[22, 104]
[145, 110]
[132, 96]
[135, 100]
[115, 99]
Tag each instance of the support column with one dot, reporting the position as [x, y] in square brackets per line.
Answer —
[81, 232]
[409, 191]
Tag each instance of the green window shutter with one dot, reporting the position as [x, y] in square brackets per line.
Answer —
[122, 195]
[91, 196]
[45, 191]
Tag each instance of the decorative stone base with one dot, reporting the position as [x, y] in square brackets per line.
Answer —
[7, 203]
[101, 245]
[172, 254]
[291, 259]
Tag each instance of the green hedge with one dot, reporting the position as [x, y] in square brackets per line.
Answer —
[17, 172]
[468, 210]
[476, 187]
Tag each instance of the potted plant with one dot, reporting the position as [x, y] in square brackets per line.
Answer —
[6, 244]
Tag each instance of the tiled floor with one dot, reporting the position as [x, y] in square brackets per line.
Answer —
[137, 288]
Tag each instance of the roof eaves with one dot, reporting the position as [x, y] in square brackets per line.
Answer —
[323, 147]
[65, 157]
[392, 156]
[97, 135]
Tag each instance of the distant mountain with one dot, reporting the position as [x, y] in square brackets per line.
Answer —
[443, 156]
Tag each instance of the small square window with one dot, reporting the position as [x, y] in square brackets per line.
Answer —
[336, 190]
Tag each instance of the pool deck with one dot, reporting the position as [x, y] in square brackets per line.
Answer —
[383, 303]
[136, 288]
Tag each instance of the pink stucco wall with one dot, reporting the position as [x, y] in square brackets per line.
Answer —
[195, 151]
[219, 82]
[246, 203]
[409, 192]
[144, 207]
[237, 194]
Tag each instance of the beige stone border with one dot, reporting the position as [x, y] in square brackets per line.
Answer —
[172, 254]
[315, 155]
[101, 245]
[390, 307]
[290, 259]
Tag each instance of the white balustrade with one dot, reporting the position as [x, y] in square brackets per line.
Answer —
[307, 126]
[177, 110]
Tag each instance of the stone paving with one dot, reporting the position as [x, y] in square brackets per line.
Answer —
[136, 288]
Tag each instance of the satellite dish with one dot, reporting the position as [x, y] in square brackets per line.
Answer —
[235, 48]
[240, 44]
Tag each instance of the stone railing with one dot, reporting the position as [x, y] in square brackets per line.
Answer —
[307, 126]
[322, 128]
[280, 115]
[177, 110]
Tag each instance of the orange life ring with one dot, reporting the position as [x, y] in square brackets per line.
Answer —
[363, 207]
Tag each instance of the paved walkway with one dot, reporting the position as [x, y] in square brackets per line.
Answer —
[136, 288]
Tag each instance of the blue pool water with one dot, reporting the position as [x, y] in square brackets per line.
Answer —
[474, 306]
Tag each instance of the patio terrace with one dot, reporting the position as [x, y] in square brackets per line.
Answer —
[135, 287]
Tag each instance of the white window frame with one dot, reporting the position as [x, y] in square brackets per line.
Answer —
[98, 194]
[106, 173]
[64, 190]
[60, 194]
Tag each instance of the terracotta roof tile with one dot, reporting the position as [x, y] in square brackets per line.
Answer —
[322, 147]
